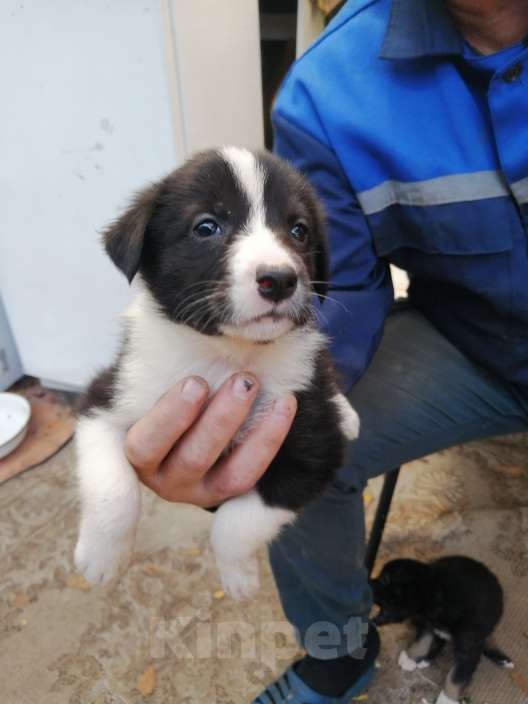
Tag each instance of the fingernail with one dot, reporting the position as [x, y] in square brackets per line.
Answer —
[284, 406]
[193, 389]
[242, 386]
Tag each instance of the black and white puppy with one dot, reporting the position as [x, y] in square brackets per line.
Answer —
[227, 253]
[451, 599]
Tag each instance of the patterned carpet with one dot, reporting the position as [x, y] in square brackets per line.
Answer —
[164, 633]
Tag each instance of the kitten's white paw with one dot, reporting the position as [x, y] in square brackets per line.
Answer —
[406, 663]
[240, 579]
[101, 558]
[444, 699]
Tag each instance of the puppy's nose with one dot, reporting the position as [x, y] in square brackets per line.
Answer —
[276, 283]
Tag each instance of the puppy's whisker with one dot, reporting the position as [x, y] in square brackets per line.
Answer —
[318, 313]
[334, 300]
[195, 311]
[190, 301]
[202, 291]
[197, 315]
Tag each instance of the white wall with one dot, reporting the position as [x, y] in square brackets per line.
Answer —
[97, 98]
[85, 120]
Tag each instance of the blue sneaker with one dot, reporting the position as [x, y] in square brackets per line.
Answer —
[290, 689]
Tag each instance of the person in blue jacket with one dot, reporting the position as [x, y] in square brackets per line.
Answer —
[410, 118]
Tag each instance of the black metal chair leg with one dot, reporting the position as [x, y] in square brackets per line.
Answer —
[382, 512]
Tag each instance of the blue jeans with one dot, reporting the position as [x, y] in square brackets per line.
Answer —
[419, 395]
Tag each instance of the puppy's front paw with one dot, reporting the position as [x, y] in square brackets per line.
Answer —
[444, 699]
[239, 579]
[101, 558]
[350, 422]
[406, 663]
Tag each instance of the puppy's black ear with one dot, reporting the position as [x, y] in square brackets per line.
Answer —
[123, 239]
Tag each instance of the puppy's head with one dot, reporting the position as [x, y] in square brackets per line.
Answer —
[232, 243]
[402, 591]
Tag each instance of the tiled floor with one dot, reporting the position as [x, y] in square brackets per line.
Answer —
[162, 634]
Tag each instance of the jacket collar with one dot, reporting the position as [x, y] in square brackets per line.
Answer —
[420, 28]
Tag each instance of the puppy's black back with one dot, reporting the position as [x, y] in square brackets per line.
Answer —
[454, 594]
[468, 596]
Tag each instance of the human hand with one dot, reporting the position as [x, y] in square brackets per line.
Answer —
[176, 448]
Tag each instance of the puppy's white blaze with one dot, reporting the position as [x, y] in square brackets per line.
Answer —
[349, 418]
[249, 175]
[258, 247]
[240, 527]
[110, 500]
[255, 247]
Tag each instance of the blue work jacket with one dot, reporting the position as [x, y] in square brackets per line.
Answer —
[418, 147]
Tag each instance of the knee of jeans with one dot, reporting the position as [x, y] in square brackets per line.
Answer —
[364, 460]
[349, 482]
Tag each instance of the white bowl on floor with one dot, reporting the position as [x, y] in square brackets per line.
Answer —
[15, 413]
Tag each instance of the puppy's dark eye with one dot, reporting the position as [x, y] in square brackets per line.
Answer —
[299, 231]
[207, 228]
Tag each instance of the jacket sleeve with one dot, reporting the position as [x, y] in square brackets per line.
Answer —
[361, 290]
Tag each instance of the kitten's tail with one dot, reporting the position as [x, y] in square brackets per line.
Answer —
[497, 656]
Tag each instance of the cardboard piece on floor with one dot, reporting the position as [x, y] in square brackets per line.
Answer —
[51, 426]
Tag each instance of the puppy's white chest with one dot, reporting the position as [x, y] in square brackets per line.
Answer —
[283, 367]
[161, 353]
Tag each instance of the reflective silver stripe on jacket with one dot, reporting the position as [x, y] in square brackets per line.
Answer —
[439, 191]
[520, 190]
